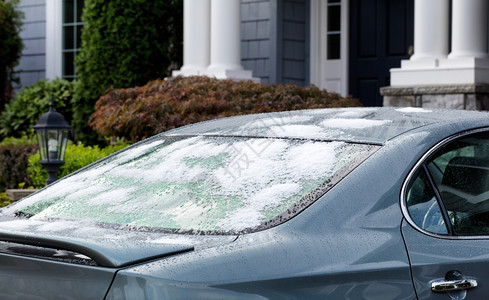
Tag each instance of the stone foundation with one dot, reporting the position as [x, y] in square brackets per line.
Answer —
[17, 194]
[466, 96]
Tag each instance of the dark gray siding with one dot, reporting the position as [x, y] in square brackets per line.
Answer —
[257, 38]
[294, 40]
[274, 40]
[32, 65]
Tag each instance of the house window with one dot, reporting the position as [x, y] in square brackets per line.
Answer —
[72, 25]
[334, 29]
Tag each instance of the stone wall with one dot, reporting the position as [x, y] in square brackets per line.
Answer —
[466, 96]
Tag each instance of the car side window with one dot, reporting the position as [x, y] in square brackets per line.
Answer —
[423, 206]
[457, 178]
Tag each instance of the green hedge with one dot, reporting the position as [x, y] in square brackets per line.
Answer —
[19, 161]
[125, 43]
[14, 155]
[140, 112]
[77, 156]
[23, 112]
[4, 199]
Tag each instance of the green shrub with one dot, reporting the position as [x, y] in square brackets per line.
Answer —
[23, 112]
[140, 112]
[76, 157]
[11, 46]
[125, 43]
[14, 155]
[4, 199]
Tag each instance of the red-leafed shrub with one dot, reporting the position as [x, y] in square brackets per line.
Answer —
[160, 105]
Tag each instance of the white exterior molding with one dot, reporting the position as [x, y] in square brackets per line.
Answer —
[196, 37]
[212, 40]
[329, 74]
[54, 26]
[468, 62]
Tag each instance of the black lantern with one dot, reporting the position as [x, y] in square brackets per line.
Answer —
[52, 132]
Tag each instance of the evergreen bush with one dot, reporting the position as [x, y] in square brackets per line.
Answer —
[4, 199]
[14, 155]
[76, 157]
[124, 44]
[11, 46]
[160, 105]
[23, 112]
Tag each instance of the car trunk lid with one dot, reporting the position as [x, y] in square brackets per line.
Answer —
[98, 245]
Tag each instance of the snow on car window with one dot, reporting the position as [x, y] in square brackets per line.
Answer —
[366, 125]
[197, 184]
[353, 123]
[278, 121]
[413, 110]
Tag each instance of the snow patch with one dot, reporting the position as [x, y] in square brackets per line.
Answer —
[199, 183]
[344, 123]
[413, 110]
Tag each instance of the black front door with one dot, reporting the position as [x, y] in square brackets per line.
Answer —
[381, 33]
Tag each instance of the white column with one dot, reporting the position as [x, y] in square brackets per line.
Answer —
[469, 29]
[431, 41]
[226, 41]
[468, 63]
[196, 37]
[431, 29]
[53, 39]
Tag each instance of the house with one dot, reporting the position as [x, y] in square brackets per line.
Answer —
[51, 35]
[384, 52]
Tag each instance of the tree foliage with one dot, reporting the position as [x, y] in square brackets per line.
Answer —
[125, 44]
[23, 112]
[11, 46]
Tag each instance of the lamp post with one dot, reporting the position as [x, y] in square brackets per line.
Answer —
[52, 136]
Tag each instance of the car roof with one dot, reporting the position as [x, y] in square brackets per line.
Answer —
[363, 125]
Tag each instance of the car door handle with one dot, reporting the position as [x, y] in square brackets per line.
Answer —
[453, 285]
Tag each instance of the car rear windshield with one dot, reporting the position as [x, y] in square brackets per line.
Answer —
[199, 184]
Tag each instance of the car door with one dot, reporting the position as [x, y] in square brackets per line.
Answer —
[445, 202]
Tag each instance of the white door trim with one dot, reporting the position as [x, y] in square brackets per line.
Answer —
[328, 74]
